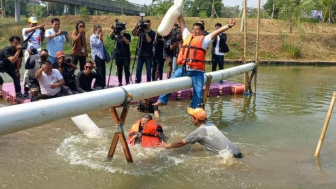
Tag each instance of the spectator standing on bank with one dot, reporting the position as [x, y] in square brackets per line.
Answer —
[98, 52]
[79, 48]
[55, 40]
[158, 58]
[122, 53]
[145, 49]
[219, 47]
[37, 36]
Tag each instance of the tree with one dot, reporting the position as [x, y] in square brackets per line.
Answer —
[329, 7]
[9, 6]
[161, 7]
[84, 11]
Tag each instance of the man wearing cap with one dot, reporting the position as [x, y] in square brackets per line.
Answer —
[67, 69]
[34, 42]
[207, 134]
[55, 39]
[36, 39]
[145, 51]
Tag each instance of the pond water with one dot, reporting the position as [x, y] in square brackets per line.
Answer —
[277, 131]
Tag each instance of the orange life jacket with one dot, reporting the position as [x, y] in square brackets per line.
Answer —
[149, 135]
[192, 53]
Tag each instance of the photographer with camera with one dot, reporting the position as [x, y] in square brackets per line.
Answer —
[121, 51]
[67, 70]
[79, 49]
[144, 48]
[33, 64]
[10, 62]
[55, 40]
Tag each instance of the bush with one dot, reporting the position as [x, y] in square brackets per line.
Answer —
[293, 50]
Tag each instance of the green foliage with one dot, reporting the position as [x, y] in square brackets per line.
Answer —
[230, 12]
[9, 6]
[292, 50]
[161, 7]
[296, 9]
[84, 11]
[202, 8]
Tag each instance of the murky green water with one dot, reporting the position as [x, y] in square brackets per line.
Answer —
[277, 131]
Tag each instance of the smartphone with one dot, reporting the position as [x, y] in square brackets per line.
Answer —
[64, 33]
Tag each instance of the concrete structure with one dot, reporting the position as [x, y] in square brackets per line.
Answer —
[104, 5]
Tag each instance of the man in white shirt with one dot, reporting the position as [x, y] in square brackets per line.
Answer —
[36, 33]
[50, 81]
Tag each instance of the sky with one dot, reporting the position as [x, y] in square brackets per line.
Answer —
[231, 3]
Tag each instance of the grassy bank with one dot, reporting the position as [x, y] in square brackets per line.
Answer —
[308, 42]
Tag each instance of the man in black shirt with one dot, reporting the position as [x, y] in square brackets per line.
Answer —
[85, 77]
[122, 53]
[145, 48]
[11, 57]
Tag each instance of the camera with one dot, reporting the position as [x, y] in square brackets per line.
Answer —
[142, 25]
[33, 50]
[119, 26]
[68, 61]
[176, 32]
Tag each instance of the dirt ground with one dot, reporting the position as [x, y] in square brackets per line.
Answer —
[315, 41]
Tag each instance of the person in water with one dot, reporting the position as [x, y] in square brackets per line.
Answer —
[146, 106]
[146, 132]
[208, 135]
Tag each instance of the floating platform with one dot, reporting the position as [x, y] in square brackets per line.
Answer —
[216, 89]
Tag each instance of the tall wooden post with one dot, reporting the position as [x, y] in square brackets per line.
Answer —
[245, 45]
[257, 49]
[325, 126]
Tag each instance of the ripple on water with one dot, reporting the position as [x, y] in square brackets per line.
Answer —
[80, 150]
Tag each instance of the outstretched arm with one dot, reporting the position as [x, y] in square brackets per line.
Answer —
[174, 145]
[182, 22]
[222, 29]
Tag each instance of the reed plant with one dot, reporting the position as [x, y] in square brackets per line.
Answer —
[292, 50]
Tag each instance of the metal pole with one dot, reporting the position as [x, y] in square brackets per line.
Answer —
[24, 116]
[325, 126]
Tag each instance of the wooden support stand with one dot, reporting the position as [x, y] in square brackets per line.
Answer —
[206, 91]
[119, 134]
[325, 126]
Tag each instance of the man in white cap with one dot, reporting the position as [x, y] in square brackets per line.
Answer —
[207, 134]
[34, 46]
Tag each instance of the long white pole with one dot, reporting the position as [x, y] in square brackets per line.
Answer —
[23, 116]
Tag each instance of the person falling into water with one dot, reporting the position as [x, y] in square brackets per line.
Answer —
[146, 132]
[207, 134]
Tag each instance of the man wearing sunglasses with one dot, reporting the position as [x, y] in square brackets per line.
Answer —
[85, 77]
